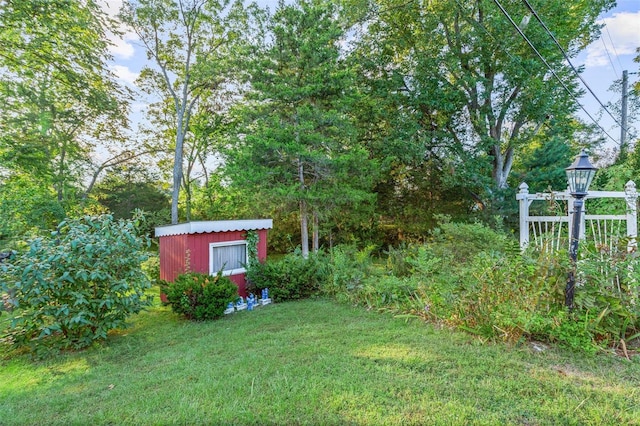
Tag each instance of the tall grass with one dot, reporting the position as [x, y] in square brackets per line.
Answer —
[476, 279]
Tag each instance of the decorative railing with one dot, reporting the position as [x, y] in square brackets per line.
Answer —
[552, 232]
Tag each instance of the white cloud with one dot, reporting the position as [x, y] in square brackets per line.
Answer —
[623, 29]
[121, 47]
[124, 73]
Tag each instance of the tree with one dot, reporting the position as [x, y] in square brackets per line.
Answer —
[126, 190]
[58, 99]
[191, 43]
[27, 209]
[460, 85]
[299, 147]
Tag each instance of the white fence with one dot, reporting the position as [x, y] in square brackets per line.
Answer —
[604, 230]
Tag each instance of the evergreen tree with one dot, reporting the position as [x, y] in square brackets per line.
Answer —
[299, 147]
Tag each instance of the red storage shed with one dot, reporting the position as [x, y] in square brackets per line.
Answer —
[210, 246]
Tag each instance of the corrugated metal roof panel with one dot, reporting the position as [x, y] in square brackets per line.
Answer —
[213, 226]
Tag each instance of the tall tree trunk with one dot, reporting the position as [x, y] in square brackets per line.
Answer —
[316, 232]
[177, 168]
[304, 228]
[304, 217]
[502, 164]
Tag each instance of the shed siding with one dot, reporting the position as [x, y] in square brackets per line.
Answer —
[176, 249]
[172, 256]
[241, 281]
[199, 247]
[262, 245]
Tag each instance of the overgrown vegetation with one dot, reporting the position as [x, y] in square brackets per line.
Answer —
[200, 296]
[72, 288]
[290, 278]
[474, 278]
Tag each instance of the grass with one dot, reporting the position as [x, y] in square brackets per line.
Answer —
[313, 362]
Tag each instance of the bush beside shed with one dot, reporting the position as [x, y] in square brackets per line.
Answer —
[210, 246]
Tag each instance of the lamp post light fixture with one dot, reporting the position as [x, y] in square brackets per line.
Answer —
[579, 174]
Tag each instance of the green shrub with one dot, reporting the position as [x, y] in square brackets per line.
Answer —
[200, 296]
[389, 293]
[290, 278]
[347, 270]
[463, 241]
[569, 329]
[606, 294]
[474, 278]
[501, 297]
[398, 259]
[437, 285]
[74, 287]
[151, 268]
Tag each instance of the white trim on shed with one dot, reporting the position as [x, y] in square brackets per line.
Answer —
[214, 226]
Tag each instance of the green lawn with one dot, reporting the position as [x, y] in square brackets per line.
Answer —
[313, 362]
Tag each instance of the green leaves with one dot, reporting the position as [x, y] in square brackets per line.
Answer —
[55, 84]
[455, 85]
[301, 148]
[77, 285]
[200, 296]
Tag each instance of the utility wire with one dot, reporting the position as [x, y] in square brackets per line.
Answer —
[606, 49]
[524, 36]
[606, 27]
[526, 2]
[498, 42]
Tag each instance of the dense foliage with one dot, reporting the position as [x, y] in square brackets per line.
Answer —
[471, 277]
[72, 288]
[290, 278]
[300, 146]
[58, 97]
[200, 296]
[495, 292]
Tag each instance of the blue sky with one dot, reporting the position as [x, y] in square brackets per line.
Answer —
[607, 57]
[604, 60]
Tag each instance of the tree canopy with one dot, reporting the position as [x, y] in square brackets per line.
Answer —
[300, 142]
[357, 120]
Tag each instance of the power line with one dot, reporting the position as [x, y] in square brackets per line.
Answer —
[524, 36]
[526, 2]
[479, 24]
[606, 49]
[606, 27]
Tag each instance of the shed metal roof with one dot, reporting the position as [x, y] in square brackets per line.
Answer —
[200, 227]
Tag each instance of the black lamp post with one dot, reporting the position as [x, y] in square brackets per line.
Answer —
[579, 174]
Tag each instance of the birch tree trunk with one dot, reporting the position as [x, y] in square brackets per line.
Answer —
[304, 218]
[316, 232]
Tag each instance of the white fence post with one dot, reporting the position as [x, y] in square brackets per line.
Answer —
[631, 197]
[522, 198]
